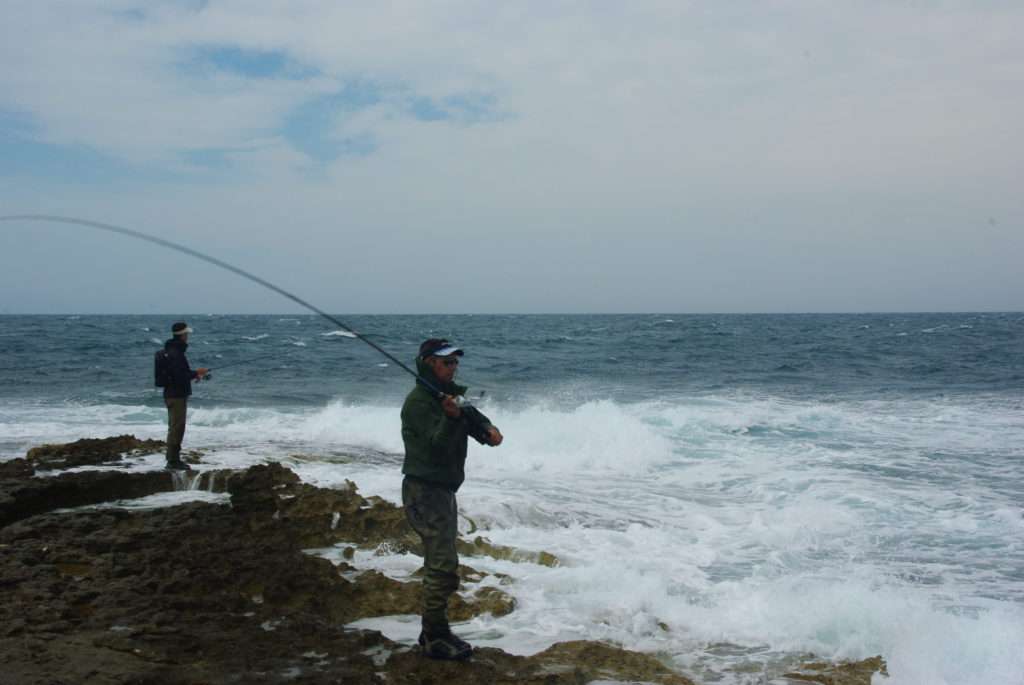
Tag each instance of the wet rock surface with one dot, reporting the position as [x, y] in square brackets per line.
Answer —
[27, 496]
[218, 593]
[849, 673]
[90, 451]
[22, 496]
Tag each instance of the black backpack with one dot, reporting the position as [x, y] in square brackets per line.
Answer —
[161, 369]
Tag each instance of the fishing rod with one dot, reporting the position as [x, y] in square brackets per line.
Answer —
[223, 265]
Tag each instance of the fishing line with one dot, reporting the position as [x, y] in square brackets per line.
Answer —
[209, 373]
[223, 265]
[243, 361]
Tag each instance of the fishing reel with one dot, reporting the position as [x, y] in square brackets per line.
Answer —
[463, 401]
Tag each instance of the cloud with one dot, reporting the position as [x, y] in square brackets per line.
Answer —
[801, 89]
[691, 138]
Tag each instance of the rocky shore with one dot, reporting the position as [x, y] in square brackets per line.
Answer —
[225, 593]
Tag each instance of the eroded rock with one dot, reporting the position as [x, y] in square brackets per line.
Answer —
[845, 673]
[184, 594]
[482, 547]
[90, 451]
[16, 468]
[25, 497]
[608, 662]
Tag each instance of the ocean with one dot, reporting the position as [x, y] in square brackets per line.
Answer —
[728, 491]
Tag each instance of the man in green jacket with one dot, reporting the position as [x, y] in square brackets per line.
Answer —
[435, 427]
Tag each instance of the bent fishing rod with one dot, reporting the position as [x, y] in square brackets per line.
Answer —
[49, 218]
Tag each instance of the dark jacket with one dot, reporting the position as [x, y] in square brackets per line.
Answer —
[435, 444]
[179, 372]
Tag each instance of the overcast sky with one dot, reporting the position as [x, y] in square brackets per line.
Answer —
[515, 157]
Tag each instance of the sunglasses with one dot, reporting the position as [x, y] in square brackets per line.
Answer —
[450, 362]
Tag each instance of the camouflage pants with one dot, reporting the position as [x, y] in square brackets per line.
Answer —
[433, 513]
[177, 408]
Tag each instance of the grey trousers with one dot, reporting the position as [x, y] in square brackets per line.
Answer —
[433, 513]
[177, 408]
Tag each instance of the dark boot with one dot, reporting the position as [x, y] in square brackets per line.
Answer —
[443, 644]
[177, 465]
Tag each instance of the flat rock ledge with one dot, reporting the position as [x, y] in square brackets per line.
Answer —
[207, 593]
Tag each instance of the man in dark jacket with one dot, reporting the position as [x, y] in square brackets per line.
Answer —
[435, 428]
[177, 391]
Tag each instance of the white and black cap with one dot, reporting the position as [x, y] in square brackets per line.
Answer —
[439, 347]
[180, 328]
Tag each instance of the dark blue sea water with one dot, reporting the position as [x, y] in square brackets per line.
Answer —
[303, 360]
[727, 490]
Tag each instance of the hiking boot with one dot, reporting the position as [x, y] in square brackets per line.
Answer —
[177, 465]
[444, 645]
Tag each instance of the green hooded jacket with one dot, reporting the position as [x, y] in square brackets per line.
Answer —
[436, 444]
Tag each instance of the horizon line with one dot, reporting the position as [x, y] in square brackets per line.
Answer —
[566, 313]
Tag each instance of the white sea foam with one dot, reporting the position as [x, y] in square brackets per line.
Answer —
[343, 334]
[254, 338]
[780, 527]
